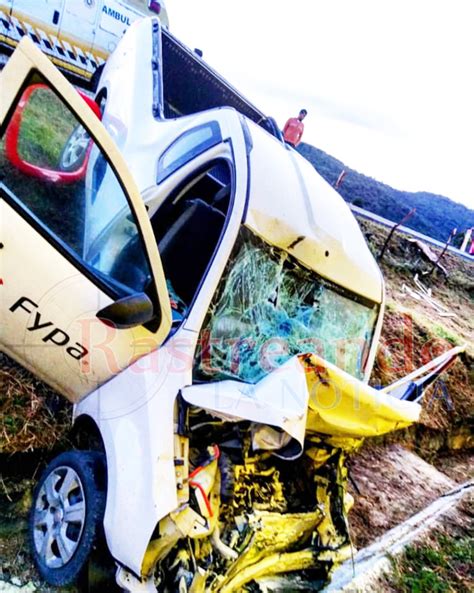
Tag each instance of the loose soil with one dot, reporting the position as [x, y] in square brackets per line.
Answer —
[389, 485]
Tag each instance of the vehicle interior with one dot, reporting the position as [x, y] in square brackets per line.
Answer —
[188, 226]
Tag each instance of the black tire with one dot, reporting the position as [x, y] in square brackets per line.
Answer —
[66, 515]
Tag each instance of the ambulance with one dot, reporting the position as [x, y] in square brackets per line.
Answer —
[77, 35]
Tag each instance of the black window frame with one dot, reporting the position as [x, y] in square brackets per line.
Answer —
[216, 138]
[177, 190]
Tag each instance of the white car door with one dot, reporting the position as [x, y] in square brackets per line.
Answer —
[71, 315]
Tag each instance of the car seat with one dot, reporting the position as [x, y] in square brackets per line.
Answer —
[188, 245]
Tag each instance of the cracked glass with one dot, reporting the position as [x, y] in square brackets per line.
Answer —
[269, 307]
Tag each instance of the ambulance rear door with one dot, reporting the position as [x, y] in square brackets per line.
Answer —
[114, 19]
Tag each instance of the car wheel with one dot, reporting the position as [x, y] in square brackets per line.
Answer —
[66, 515]
[75, 150]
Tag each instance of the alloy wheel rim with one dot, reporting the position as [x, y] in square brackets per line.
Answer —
[59, 517]
[76, 148]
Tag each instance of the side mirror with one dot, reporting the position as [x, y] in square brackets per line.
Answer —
[130, 311]
[45, 144]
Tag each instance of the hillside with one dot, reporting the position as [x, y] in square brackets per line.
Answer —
[435, 215]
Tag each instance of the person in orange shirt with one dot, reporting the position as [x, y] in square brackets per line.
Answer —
[294, 128]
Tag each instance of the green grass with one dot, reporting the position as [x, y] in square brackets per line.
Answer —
[443, 566]
[46, 126]
[445, 334]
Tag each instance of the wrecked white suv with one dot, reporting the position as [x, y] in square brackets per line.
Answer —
[210, 307]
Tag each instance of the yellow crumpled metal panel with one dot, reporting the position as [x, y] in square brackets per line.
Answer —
[340, 405]
[297, 542]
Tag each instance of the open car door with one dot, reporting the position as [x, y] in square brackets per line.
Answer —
[82, 296]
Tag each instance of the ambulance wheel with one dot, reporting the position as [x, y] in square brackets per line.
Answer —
[67, 514]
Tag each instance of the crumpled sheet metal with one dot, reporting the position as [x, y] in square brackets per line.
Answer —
[288, 547]
[307, 394]
[275, 535]
[327, 413]
[280, 399]
[341, 405]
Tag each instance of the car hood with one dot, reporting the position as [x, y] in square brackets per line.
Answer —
[294, 208]
[305, 395]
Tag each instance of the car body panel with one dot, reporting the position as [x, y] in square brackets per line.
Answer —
[135, 413]
[52, 285]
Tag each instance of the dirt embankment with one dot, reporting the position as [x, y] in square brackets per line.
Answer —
[415, 331]
[390, 482]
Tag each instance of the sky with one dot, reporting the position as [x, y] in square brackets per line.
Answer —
[388, 84]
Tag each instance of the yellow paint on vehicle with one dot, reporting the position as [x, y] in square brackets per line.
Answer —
[340, 405]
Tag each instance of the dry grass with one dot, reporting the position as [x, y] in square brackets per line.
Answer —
[32, 416]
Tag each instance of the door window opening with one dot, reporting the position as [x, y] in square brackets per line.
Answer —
[53, 169]
[188, 227]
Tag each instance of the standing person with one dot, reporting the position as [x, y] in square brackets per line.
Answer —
[294, 128]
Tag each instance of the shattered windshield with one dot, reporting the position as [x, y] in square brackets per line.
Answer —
[270, 307]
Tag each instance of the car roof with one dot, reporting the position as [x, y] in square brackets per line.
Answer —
[293, 207]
